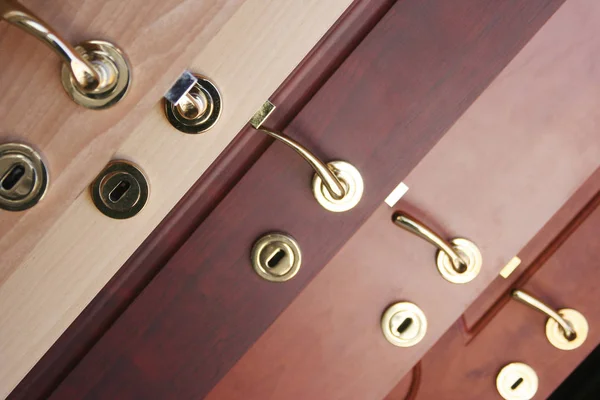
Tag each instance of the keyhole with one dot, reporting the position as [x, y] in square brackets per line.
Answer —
[404, 325]
[517, 383]
[119, 191]
[13, 177]
[275, 258]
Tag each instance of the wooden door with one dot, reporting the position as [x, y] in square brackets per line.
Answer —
[56, 256]
[465, 362]
[466, 103]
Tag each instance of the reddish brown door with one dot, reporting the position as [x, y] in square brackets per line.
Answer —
[465, 362]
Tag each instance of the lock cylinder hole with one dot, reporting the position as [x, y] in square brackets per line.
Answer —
[516, 384]
[275, 258]
[119, 191]
[12, 177]
[404, 325]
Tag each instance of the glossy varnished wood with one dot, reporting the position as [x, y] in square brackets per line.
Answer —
[577, 204]
[497, 188]
[206, 307]
[464, 364]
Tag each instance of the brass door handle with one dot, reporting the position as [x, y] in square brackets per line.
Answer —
[566, 329]
[193, 104]
[337, 186]
[95, 73]
[459, 261]
[331, 182]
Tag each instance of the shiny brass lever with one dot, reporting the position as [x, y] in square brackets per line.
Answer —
[97, 69]
[337, 186]
[415, 226]
[331, 182]
[566, 329]
[536, 304]
[458, 261]
[84, 73]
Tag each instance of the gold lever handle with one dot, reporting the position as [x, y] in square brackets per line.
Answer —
[417, 227]
[566, 329]
[337, 185]
[95, 68]
[536, 304]
[84, 73]
[331, 182]
[459, 261]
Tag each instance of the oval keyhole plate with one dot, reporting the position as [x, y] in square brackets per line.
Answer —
[404, 324]
[276, 257]
[23, 177]
[517, 381]
[121, 190]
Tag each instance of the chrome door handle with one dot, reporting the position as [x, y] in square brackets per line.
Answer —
[566, 329]
[458, 261]
[337, 185]
[95, 73]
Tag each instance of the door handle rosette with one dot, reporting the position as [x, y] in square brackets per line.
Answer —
[95, 73]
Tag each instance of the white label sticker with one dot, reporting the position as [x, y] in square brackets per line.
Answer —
[396, 194]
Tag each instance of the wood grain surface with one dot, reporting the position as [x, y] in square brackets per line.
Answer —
[207, 307]
[160, 39]
[58, 255]
[464, 366]
[200, 200]
[494, 178]
[531, 252]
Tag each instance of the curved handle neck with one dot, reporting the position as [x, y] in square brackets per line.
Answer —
[84, 72]
[415, 226]
[536, 304]
[331, 182]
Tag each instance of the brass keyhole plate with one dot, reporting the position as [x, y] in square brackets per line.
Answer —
[350, 179]
[110, 56]
[121, 190]
[276, 257]
[404, 324]
[517, 381]
[209, 96]
[469, 253]
[23, 177]
[556, 335]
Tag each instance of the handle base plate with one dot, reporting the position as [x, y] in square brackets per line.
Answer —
[352, 181]
[556, 334]
[108, 55]
[468, 252]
